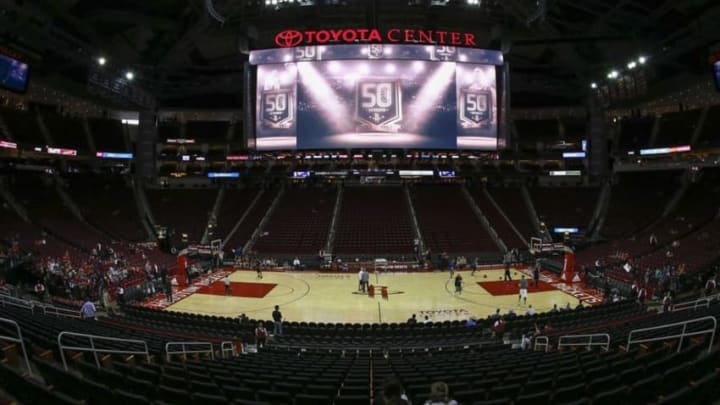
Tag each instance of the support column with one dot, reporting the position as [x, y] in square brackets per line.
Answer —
[597, 137]
[145, 145]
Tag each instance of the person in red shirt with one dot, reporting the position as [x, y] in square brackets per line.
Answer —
[260, 335]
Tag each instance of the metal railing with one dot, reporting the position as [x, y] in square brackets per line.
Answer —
[18, 339]
[189, 348]
[227, 349]
[703, 302]
[681, 336]
[94, 350]
[53, 310]
[6, 300]
[589, 341]
[542, 342]
[369, 349]
[32, 305]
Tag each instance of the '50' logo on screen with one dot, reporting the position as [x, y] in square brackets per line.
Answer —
[378, 104]
[278, 109]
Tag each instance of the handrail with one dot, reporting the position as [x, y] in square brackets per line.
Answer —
[18, 339]
[17, 302]
[408, 349]
[92, 349]
[31, 305]
[682, 335]
[227, 347]
[703, 302]
[542, 342]
[185, 351]
[589, 344]
[57, 311]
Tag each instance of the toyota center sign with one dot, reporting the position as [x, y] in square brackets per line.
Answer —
[292, 38]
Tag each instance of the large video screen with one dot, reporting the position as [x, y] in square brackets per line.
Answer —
[13, 74]
[394, 101]
[716, 70]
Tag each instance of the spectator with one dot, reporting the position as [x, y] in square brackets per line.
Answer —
[277, 321]
[498, 328]
[427, 320]
[667, 302]
[530, 311]
[412, 320]
[525, 342]
[296, 263]
[260, 335]
[40, 290]
[471, 322]
[393, 393]
[440, 395]
[87, 311]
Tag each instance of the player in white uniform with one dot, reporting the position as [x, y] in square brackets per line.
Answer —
[523, 290]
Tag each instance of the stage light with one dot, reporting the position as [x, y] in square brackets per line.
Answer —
[593, 85]
[631, 65]
[642, 60]
[129, 75]
[101, 61]
[613, 74]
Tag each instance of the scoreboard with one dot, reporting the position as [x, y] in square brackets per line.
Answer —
[376, 96]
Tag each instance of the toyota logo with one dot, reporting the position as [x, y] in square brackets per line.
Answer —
[288, 38]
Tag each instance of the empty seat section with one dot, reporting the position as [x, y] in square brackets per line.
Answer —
[374, 220]
[497, 220]
[635, 132]
[511, 202]
[107, 134]
[23, 126]
[232, 208]
[107, 202]
[447, 222]
[565, 206]
[300, 223]
[207, 131]
[245, 231]
[677, 128]
[637, 199]
[182, 211]
[65, 131]
[708, 133]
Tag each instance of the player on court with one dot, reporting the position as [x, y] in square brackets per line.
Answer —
[507, 276]
[523, 290]
[536, 272]
[474, 267]
[458, 284]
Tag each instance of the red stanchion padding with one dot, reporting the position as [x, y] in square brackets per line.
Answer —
[384, 292]
[569, 267]
[181, 267]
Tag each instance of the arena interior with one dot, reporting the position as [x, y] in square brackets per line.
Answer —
[358, 202]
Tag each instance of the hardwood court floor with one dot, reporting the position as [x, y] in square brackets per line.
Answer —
[333, 297]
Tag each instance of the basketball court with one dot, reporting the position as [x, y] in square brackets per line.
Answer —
[334, 297]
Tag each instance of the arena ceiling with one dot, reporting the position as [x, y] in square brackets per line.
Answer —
[191, 52]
